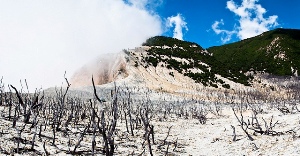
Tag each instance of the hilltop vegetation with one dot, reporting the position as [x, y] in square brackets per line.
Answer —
[188, 57]
[276, 52]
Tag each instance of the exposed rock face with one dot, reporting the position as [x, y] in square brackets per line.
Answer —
[105, 69]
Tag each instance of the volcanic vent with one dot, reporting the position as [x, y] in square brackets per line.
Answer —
[104, 69]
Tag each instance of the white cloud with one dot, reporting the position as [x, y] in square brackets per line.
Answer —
[39, 40]
[179, 23]
[226, 35]
[251, 19]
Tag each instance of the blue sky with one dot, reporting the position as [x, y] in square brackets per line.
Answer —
[200, 15]
[41, 39]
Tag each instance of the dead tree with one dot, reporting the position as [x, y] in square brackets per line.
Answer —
[19, 138]
[61, 105]
[269, 127]
[33, 138]
[129, 108]
[94, 126]
[107, 129]
[168, 134]
[148, 128]
[26, 113]
[45, 150]
[234, 134]
[125, 115]
[201, 116]
[82, 133]
[216, 108]
[258, 128]
[283, 109]
[242, 123]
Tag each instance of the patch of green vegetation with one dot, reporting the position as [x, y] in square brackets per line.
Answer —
[226, 86]
[136, 64]
[152, 60]
[261, 53]
[171, 42]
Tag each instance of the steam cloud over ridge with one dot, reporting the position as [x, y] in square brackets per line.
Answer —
[179, 24]
[40, 40]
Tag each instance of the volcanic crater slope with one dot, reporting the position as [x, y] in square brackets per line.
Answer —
[164, 64]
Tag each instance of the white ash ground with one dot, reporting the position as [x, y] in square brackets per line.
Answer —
[186, 137]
